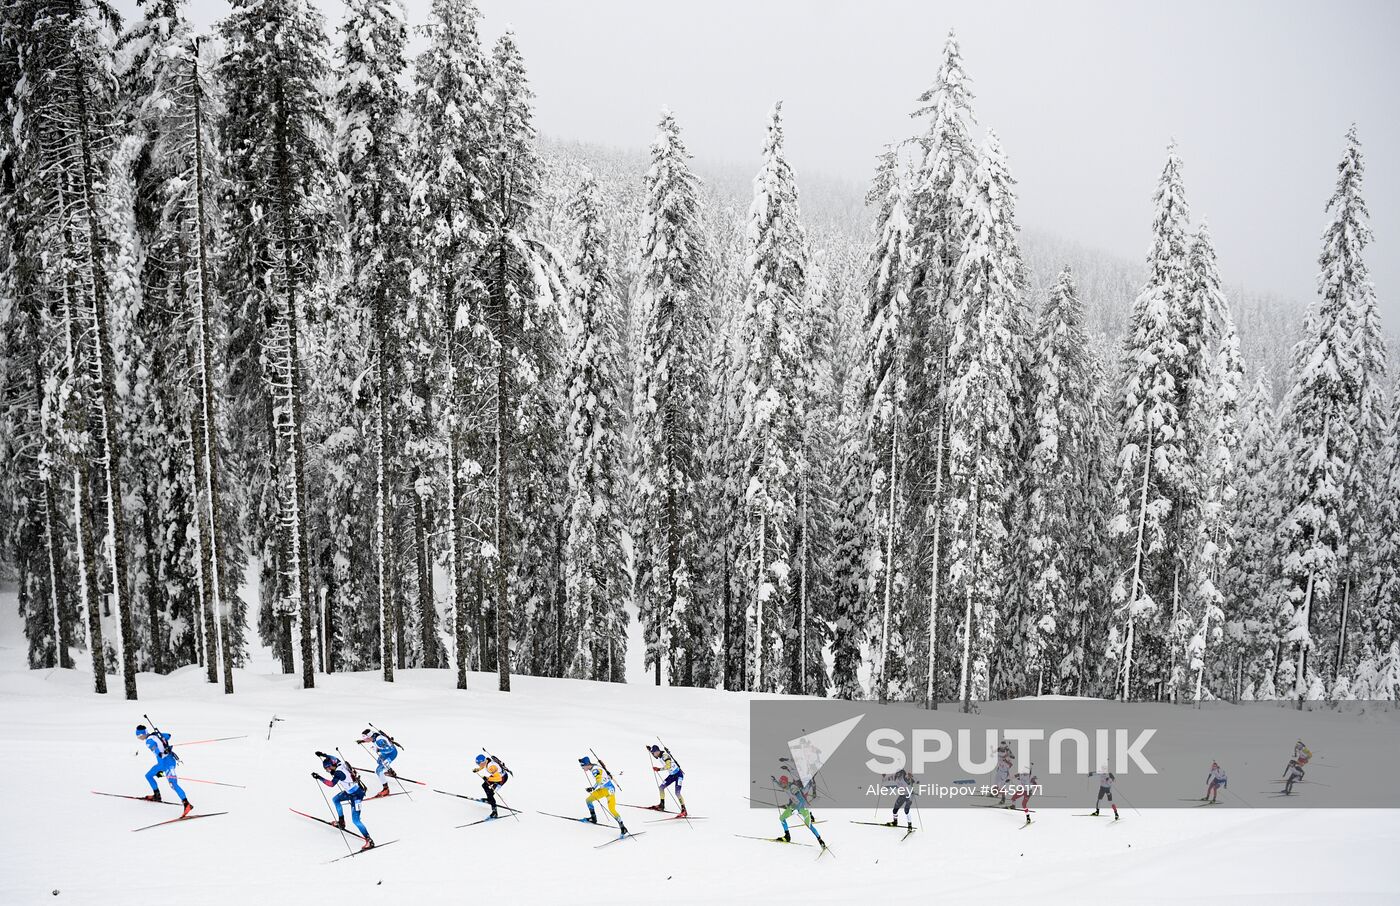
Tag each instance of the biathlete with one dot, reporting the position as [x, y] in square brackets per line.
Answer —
[1004, 761]
[1292, 775]
[903, 783]
[1025, 784]
[346, 782]
[166, 759]
[385, 751]
[674, 776]
[1214, 781]
[495, 775]
[1106, 780]
[601, 788]
[797, 793]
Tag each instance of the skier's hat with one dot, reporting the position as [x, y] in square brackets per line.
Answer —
[654, 749]
[140, 729]
[585, 761]
[481, 759]
[330, 762]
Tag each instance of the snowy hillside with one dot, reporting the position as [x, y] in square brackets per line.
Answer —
[67, 741]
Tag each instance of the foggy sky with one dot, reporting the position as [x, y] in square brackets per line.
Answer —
[1084, 95]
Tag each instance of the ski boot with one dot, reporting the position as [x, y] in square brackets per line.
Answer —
[894, 823]
[340, 822]
[683, 813]
[369, 844]
[592, 817]
[662, 806]
[787, 835]
[154, 797]
[821, 842]
[188, 808]
[382, 793]
[493, 814]
[1115, 814]
[621, 827]
[390, 772]
[1096, 813]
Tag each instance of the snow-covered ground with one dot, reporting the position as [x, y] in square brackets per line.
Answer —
[64, 741]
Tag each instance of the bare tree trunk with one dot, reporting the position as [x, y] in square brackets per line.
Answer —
[208, 409]
[109, 442]
[62, 630]
[1137, 570]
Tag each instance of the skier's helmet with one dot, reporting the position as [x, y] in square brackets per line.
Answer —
[655, 750]
[783, 779]
[585, 761]
[330, 762]
[481, 759]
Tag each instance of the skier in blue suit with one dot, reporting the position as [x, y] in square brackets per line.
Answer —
[346, 783]
[384, 754]
[166, 759]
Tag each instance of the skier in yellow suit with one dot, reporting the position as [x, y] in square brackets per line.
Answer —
[601, 788]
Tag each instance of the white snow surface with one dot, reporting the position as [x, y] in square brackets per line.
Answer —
[63, 845]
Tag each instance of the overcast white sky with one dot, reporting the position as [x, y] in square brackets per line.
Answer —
[1085, 94]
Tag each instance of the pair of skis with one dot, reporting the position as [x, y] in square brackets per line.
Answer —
[625, 836]
[825, 848]
[344, 830]
[908, 831]
[190, 817]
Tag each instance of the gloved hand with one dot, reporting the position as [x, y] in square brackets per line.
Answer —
[318, 777]
[656, 769]
[322, 755]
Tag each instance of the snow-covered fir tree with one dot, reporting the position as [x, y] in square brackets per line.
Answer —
[594, 580]
[276, 148]
[370, 108]
[771, 401]
[446, 416]
[668, 401]
[1056, 492]
[521, 326]
[984, 369]
[1331, 432]
[938, 192]
[1150, 461]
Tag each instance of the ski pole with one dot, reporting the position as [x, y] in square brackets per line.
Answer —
[656, 776]
[331, 811]
[275, 719]
[202, 741]
[237, 786]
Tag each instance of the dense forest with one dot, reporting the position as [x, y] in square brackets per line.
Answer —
[291, 318]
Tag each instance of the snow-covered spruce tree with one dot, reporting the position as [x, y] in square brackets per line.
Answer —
[668, 393]
[885, 402]
[175, 103]
[1382, 619]
[1150, 457]
[1054, 493]
[275, 138]
[447, 210]
[1331, 427]
[34, 532]
[1089, 613]
[984, 358]
[70, 45]
[1258, 607]
[1217, 509]
[938, 192]
[370, 106]
[771, 401]
[719, 523]
[592, 558]
[521, 327]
